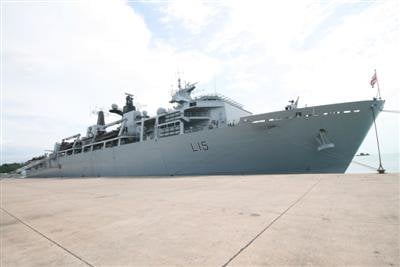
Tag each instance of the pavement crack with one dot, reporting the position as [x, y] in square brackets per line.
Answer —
[48, 238]
[270, 224]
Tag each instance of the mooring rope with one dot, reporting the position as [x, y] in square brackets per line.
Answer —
[380, 168]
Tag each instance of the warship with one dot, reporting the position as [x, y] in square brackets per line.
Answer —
[212, 135]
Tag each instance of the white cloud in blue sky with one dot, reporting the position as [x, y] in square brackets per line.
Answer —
[61, 58]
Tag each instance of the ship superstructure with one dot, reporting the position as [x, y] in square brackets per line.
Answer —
[212, 134]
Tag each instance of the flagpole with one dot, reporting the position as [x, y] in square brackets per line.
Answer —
[377, 83]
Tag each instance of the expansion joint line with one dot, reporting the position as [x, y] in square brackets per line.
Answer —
[270, 224]
[48, 238]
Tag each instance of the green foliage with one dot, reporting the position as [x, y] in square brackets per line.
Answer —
[6, 168]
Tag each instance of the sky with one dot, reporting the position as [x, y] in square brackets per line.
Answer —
[61, 60]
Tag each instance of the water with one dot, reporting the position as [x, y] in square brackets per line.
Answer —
[390, 162]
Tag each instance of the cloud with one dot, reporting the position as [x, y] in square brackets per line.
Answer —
[61, 59]
[324, 52]
[192, 15]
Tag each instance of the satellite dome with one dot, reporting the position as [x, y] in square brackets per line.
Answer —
[161, 111]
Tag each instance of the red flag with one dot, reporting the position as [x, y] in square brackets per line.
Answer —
[373, 81]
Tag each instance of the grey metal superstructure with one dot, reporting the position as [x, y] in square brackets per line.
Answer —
[212, 134]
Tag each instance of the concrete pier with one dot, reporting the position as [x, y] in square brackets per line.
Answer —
[259, 220]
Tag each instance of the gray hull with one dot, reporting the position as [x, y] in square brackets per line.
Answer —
[278, 142]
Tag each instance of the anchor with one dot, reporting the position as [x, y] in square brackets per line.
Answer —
[323, 141]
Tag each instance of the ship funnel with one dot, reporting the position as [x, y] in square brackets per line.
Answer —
[100, 118]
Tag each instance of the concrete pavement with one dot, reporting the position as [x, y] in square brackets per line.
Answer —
[350, 219]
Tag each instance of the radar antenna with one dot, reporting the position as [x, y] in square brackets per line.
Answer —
[129, 94]
[129, 103]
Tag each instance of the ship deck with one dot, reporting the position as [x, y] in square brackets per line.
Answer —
[350, 219]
